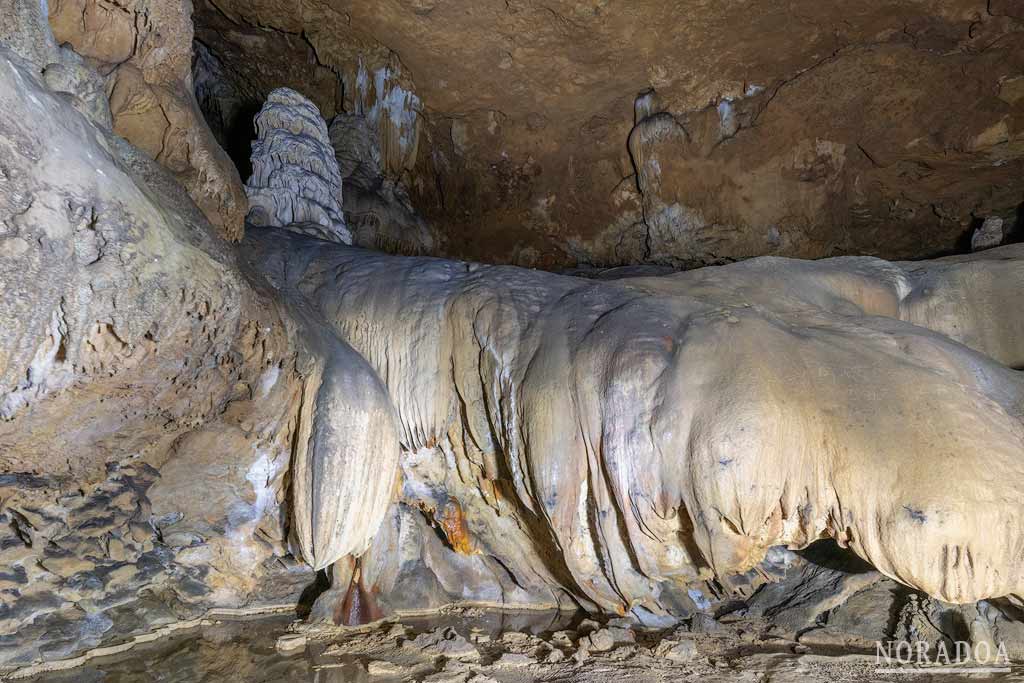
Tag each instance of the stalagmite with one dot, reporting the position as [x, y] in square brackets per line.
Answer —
[295, 180]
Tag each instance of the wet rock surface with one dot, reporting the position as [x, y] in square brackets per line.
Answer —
[96, 565]
[490, 646]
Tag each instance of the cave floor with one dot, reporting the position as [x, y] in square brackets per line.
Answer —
[476, 646]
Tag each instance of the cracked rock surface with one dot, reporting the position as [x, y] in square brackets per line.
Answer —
[567, 132]
[122, 308]
[143, 51]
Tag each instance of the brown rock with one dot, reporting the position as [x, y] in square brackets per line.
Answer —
[146, 48]
[767, 131]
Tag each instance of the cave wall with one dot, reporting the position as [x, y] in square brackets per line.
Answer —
[573, 133]
[184, 427]
[149, 393]
[143, 49]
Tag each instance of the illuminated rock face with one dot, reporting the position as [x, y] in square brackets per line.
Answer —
[155, 403]
[650, 433]
[295, 180]
[187, 425]
[143, 49]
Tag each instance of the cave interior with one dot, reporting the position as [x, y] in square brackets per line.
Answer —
[533, 340]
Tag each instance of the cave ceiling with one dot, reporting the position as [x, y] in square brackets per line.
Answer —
[558, 134]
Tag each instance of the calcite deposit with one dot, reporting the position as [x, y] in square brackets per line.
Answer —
[378, 209]
[143, 50]
[658, 432]
[295, 180]
[152, 400]
[436, 469]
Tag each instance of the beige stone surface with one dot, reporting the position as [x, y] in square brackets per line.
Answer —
[183, 424]
[144, 49]
[663, 430]
[153, 399]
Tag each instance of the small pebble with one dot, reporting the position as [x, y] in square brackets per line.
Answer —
[554, 656]
[291, 644]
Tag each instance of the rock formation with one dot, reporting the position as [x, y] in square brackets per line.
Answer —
[652, 433]
[829, 452]
[377, 208]
[144, 51]
[295, 180]
[989, 234]
[804, 131]
[152, 401]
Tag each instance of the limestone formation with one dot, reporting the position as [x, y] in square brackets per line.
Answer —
[377, 208]
[989, 234]
[295, 180]
[806, 130]
[144, 50]
[728, 466]
[661, 431]
[82, 85]
[345, 450]
[122, 309]
[152, 400]
[24, 29]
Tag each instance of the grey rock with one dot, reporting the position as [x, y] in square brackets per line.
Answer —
[378, 210]
[861, 621]
[25, 30]
[295, 181]
[989, 234]
[444, 642]
[513, 659]
[703, 623]
[999, 622]
[291, 644]
[85, 88]
[682, 651]
[554, 656]
[800, 601]
[600, 641]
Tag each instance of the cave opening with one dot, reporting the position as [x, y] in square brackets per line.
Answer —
[229, 114]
